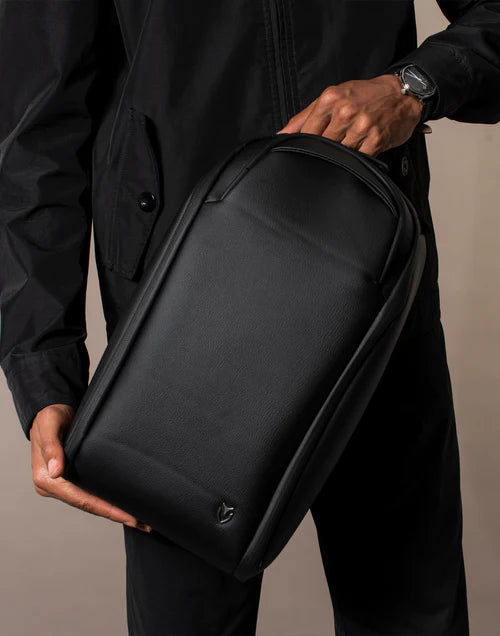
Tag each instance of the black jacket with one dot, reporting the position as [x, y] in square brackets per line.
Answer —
[111, 111]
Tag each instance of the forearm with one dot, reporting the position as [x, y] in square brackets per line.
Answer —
[45, 218]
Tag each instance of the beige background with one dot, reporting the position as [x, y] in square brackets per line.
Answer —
[62, 571]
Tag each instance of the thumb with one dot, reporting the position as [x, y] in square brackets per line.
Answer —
[52, 423]
[54, 467]
[53, 455]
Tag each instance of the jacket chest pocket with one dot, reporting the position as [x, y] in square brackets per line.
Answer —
[132, 185]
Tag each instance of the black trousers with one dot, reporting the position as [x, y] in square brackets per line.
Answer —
[388, 520]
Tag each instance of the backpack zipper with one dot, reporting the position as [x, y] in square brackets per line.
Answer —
[281, 61]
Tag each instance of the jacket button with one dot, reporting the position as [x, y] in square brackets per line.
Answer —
[404, 165]
[147, 201]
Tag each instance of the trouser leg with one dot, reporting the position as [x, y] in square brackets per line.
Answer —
[172, 592]
[389, 518]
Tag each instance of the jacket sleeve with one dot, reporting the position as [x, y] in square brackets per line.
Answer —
[463, 61]
[47, 66]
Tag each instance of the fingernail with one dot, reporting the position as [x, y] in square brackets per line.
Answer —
[52, 466]
[139, 525]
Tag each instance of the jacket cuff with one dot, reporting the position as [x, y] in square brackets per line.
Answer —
[449, 72]
[52, 376]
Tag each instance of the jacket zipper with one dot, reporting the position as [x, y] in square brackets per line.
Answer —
[281, 60]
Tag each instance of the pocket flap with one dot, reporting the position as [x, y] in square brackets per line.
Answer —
[136, 200]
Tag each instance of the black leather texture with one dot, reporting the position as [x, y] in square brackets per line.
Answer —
[251, 348]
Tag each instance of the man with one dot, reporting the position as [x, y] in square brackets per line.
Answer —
[110, 112]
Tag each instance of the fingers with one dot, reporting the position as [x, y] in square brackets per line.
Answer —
[77, 497]
[297, 121]
[47, 457]
[321, 115]
[365, 115]
[371, 147]
[371, 142]
[328, 114]
[317, 122]
[69, 493]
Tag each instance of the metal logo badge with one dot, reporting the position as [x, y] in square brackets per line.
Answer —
[225, 512]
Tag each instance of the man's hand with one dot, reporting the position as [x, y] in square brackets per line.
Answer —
[47, 433]
[367, 115]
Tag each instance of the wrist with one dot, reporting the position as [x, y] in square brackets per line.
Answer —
[60, 410]
[416, 82]
[415, 105]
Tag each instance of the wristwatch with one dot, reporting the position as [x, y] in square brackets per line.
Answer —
[417, 83]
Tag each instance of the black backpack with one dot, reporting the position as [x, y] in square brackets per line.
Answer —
[251, 348]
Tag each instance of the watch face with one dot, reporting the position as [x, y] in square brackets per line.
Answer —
[418, 81]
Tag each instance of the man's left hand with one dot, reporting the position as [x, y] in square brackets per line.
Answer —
[368, 115]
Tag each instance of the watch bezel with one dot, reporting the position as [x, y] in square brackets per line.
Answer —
[423, 94]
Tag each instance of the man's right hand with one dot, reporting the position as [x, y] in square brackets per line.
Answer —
[47, 433]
